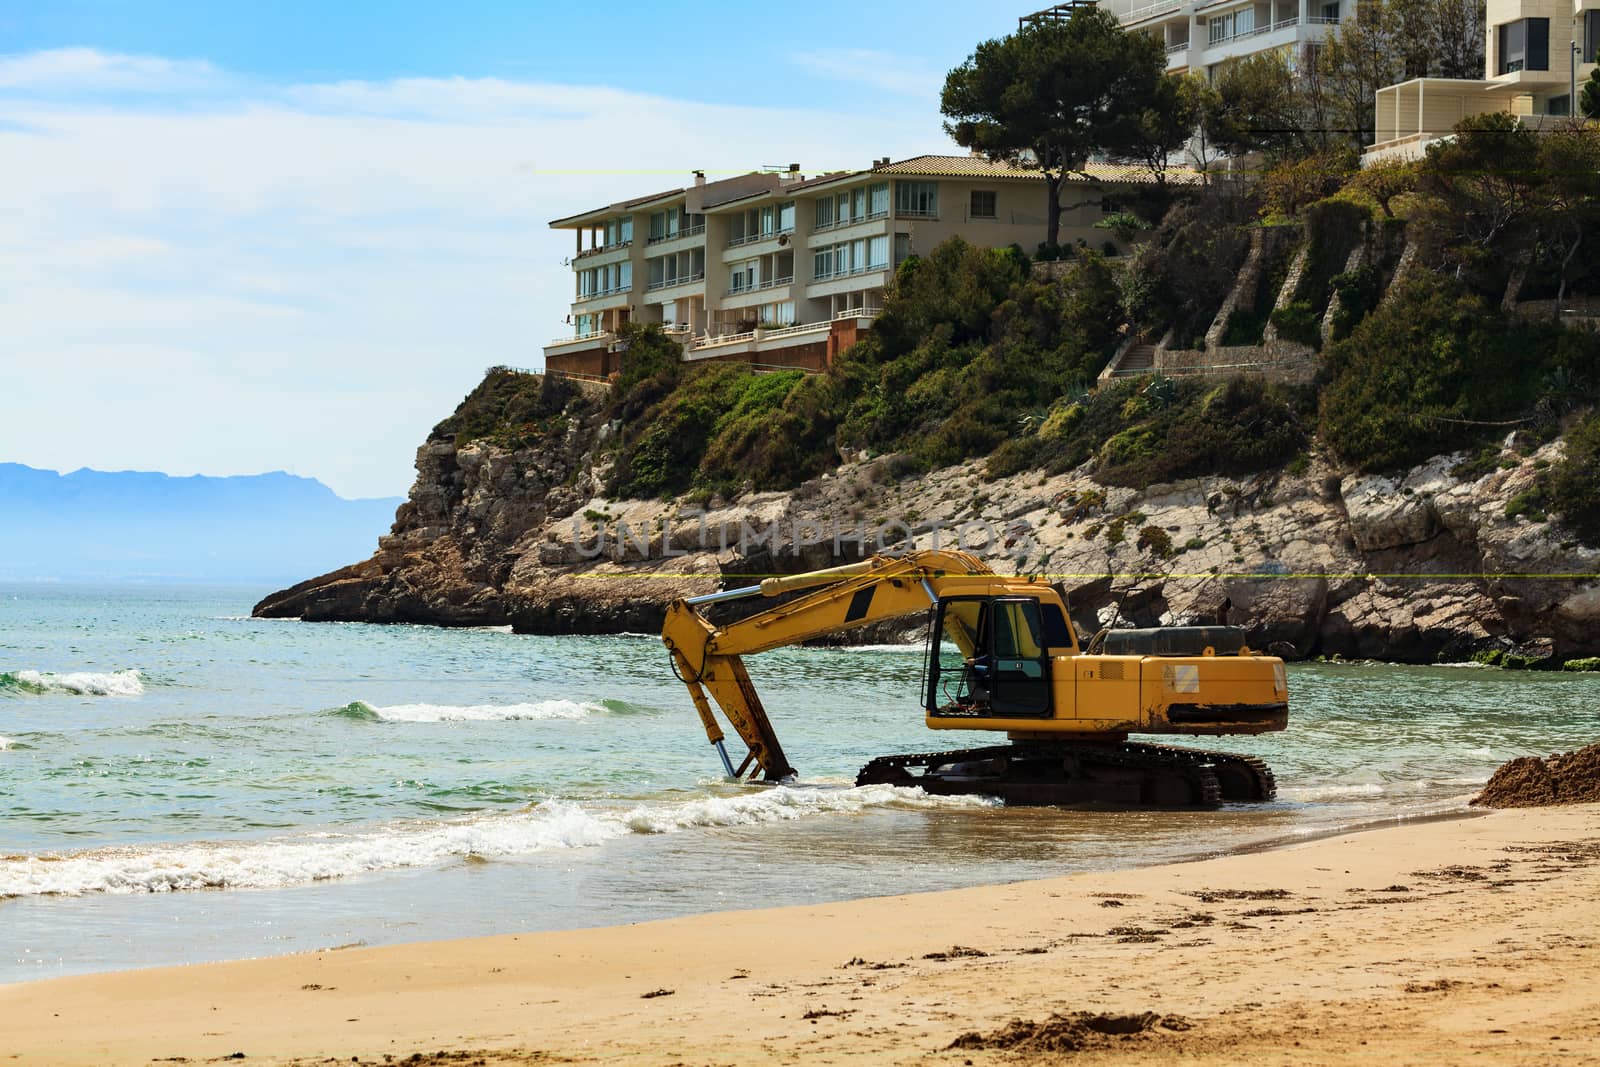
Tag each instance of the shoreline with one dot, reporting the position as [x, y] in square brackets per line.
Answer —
[1411, 938]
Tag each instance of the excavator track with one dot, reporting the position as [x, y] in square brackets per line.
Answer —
[1041, 774]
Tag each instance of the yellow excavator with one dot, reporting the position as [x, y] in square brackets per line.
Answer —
[1001, 654]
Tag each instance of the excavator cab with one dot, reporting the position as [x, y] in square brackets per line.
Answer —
[988, 657]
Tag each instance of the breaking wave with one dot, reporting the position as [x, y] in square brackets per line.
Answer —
[280, 862]
[124, 683]
[544, 709]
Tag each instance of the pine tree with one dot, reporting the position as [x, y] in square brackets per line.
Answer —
[1589, 96]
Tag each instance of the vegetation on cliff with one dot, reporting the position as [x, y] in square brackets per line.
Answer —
[977, 354]
[514, 410]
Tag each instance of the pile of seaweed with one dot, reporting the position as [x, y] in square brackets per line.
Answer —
[1531, 782]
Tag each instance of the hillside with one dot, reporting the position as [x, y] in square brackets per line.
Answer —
[118, 525]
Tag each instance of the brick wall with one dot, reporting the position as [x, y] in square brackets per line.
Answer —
[813, 356]
[597, 361]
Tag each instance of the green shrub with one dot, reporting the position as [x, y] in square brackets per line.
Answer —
[514, 409]
[1574, 482]
[1298, 321]
[1592, 663]
[1157, 541]
[1529, 503]
[1424, 373]
[1359, 291]
[711, 431]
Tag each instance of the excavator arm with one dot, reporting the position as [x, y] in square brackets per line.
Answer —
[708, 658]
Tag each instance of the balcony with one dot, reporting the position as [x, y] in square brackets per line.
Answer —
[1139, 14]
[850, 272]
[752, 238]
[687, 231]
[587, 340]
[600, 293]
[603, 249]
[916, 213]
[687, 279]
[853, 220]
[770, 283]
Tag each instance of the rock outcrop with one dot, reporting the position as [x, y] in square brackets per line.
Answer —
[1419, 567]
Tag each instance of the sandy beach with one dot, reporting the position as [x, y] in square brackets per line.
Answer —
[1421, 943]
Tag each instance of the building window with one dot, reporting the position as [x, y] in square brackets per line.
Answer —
[877, 200]
[920, 199]
[1221, 28]
[786, 217]
[1559, 106]
[983, 204]
[902, 248]
[1330, 12]
[822, 264]
[619, 231]
[743, 277]
[878, 253]
[1524, 45]
[824, 213]
[1591, 37]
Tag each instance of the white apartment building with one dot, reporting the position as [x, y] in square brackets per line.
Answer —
[1200, 34]
[1533, 53]
[776, 268]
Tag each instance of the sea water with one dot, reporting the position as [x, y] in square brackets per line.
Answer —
[180, 782]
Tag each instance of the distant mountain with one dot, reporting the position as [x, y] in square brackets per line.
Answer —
[120, 525]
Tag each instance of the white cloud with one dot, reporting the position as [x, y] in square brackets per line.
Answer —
[86, 70]
[310, 276]
[880, 70]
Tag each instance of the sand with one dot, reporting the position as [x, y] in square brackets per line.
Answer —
[1423, 943]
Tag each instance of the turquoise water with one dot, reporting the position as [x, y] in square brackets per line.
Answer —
[179, 782]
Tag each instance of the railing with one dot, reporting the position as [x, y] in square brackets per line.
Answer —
[853, 220]
[850, 273]
[802, 327]
[1174, 49]
[1148, 10]
[756, 287]
[687, 231]
[688, 279]
[1323, 20]
[710, 341]
[598, 293]
[1259, 31]
[603, 249]
[916, 213]
[594, 335]
[752, 238]
[858, 313]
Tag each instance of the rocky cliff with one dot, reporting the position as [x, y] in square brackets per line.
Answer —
[1419, 567]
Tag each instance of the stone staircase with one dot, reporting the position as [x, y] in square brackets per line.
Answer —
[1138, 359]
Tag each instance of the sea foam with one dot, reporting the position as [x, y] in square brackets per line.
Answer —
[544, 709]
[312, 857]
[124, 683]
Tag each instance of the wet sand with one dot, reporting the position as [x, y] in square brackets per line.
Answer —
[1424, 943]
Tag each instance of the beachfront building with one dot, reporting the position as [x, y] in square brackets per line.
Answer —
[1534, 52]
[782, 270]
[1199, 35]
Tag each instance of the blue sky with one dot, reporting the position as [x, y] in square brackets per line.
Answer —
[291, 235]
